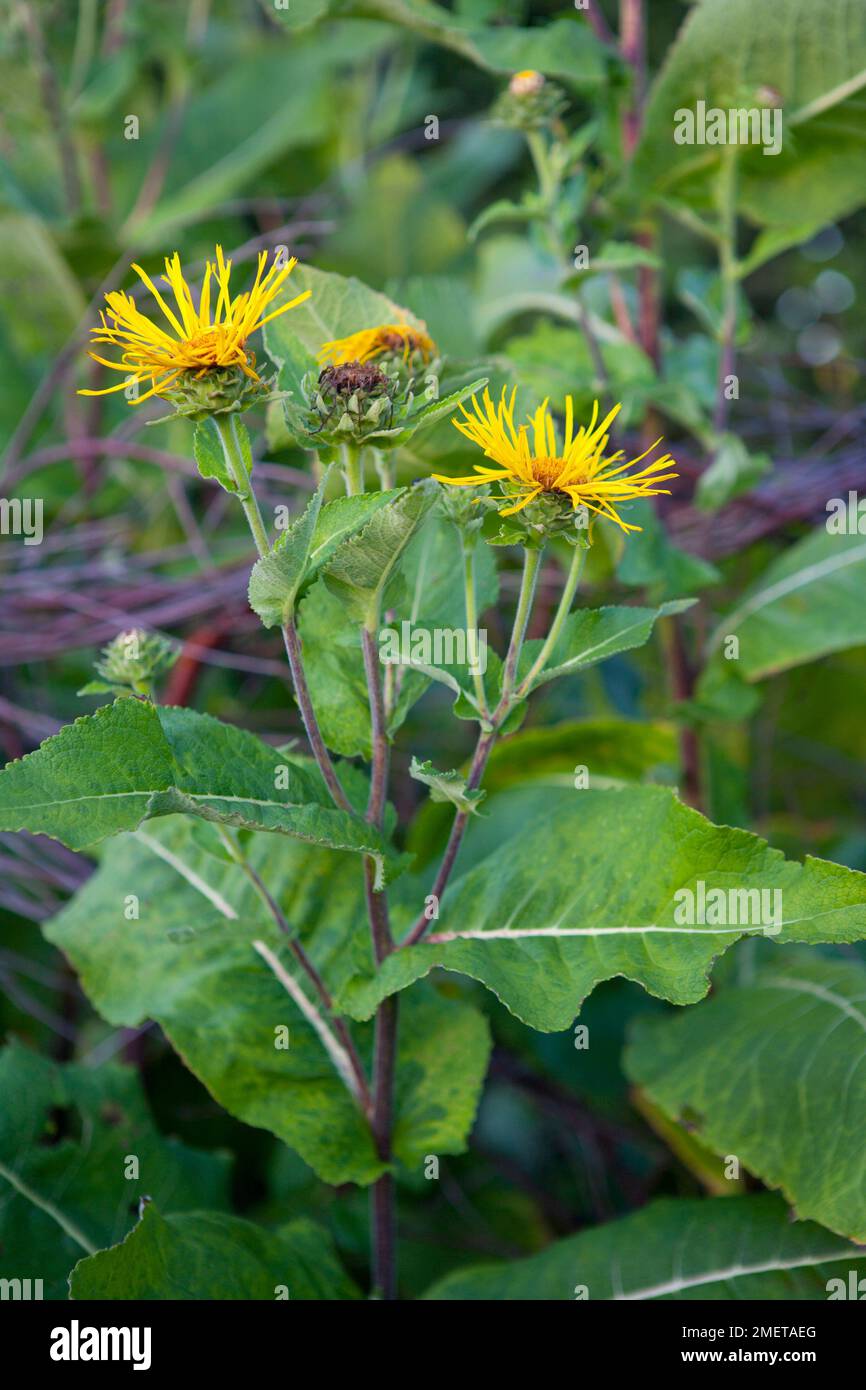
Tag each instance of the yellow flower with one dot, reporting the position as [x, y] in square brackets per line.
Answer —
[375, 342]
[200, 340]
[529, 460]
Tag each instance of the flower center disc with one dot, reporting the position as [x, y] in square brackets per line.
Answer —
[546, 471]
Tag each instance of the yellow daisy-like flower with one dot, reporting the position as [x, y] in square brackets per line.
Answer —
[400, 338]
[530, 460]
[199, 339]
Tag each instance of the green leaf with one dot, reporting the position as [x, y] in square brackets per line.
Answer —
[276, 579]
[616, 256]
[208, 1255]
[803, 56]
[609, 749]
[360, 572]
[503, 210]
[429, 415]
[432, 569]
[449, 787]
[188, 961]
[807, 603]
[591, 635]
[280, 579]
[738, 1248]
[563, 48]
[131, 760]
[298, 14]
[443, 1049]
[337, 307]
[591, 893]
[732, 472]
[210, 457]
[66, 1136]
[770, 1070]
[554, 361]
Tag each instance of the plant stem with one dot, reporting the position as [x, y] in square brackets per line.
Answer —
[531, 565]
[226, 428]
[727, 194]
[472, 613]
[311, 725]
[233, 454]
[547, 182]
[487, 736]
[353, 469]
[578, 560]
[632, 42]
[383, 1215]
[379, 732]
[486, 740]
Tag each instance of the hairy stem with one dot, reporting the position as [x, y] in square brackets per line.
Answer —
[531, 566]
[226, 428]
[487, 737]
[353, 469]
[727, 196]
[379, 777]
[578, 560]
[472, 614]
[311, 725]
[383, 1215]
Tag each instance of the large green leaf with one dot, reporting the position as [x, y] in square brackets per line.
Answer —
[609, 749]
[208, 1255]
[806, 56]
[563, 48]
[589, 893]
[337, 307]
[771, 1070]
[67, 1134]
[737, 1248]
[807, 603]
[132, 760]
[188, 961]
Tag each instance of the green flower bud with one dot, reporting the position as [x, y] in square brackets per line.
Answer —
[530, 102]
[133, 661]
[351, 401]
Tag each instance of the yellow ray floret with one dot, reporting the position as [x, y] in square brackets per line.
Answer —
[402, 338]
[189, 338]
[529, 459]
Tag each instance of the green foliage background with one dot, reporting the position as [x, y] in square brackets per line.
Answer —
[359, 134]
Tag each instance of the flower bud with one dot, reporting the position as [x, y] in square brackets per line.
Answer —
[135, 659]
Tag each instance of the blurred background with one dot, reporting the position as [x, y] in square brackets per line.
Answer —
[360, 136]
